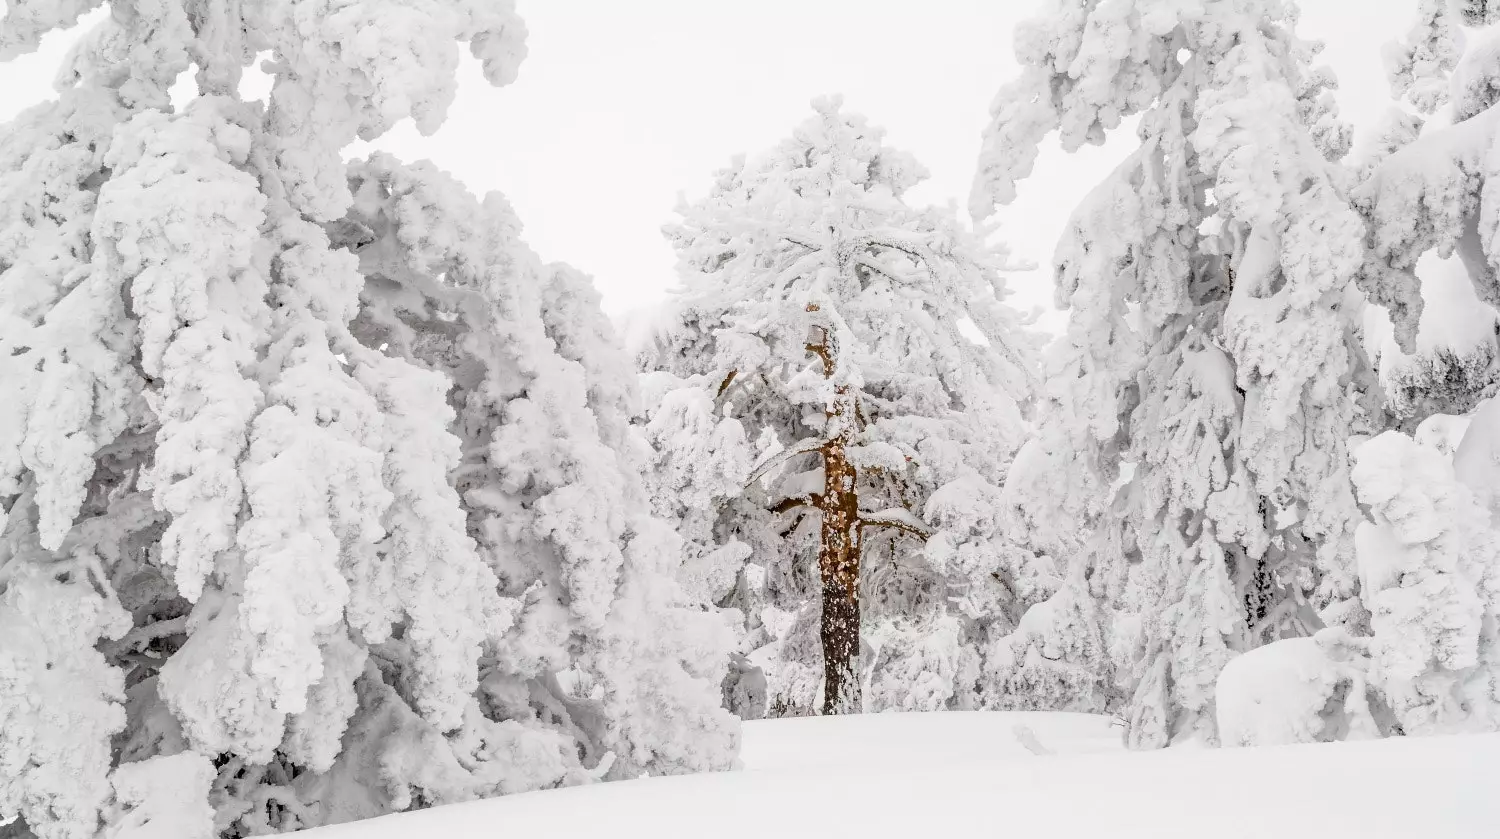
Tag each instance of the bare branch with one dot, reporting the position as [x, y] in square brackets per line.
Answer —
[724, 385]
[786, 505]
[821, 351]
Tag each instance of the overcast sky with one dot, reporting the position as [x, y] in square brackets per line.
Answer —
[621, 106]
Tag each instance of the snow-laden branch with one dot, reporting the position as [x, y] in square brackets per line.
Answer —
[777, 459]
[898, 518]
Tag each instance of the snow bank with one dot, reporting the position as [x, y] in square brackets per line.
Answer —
[1436, 786]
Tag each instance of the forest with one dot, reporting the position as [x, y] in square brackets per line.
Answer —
[324, 497]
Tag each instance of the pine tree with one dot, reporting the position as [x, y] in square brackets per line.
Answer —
[1421, 657]
[1210, 371]
[1432, 261]
[821, 321]
[317, 494]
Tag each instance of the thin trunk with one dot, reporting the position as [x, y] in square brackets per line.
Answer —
[838, 567]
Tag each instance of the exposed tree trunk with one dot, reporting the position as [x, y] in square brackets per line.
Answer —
[838, 545]
[838, 567]
[840, 540]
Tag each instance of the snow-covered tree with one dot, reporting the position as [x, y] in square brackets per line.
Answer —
[1433, 246]
[1212, 348]
[317, 494]
[836, 397]
[1422, 658]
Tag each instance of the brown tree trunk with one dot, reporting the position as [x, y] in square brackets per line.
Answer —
[838, 567]
[838, 546]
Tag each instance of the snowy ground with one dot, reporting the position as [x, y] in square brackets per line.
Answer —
[1033, 775]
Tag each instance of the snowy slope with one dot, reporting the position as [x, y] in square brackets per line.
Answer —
[915, 775]
[902, 741]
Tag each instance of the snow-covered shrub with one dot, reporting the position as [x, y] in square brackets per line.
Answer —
[1056, 659]
[1429, 566]
[1297, 690]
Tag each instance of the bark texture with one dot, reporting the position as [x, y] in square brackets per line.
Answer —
[838, 567]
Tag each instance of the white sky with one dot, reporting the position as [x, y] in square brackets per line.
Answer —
[622, 106]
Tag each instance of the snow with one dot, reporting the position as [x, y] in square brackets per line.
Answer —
[1286, 691]
[894, 741]
[967, 774]
[322, 497]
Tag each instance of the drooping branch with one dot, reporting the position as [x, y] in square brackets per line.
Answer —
[897, 518]
[872, 265]
[917, 249]
[800, 513]
[776, 459]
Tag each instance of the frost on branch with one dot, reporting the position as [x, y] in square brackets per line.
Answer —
[1418, 67]
[60, 700]
[1429, 206]
[401, 57]
[1476, 79]
[1453, 366]
[61, 354]
[26, 21]
[178, 204]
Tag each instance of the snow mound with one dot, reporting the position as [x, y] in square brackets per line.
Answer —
[893, 781]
